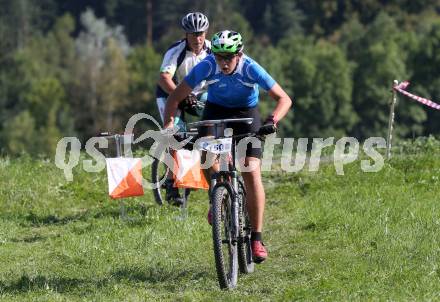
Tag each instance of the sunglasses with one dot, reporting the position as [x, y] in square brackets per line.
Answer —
[225, 58]
[197, 34]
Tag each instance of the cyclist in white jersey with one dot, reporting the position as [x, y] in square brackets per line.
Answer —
[180, 58]
[178, 61]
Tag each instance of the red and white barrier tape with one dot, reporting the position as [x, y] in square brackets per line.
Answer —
[401, 88]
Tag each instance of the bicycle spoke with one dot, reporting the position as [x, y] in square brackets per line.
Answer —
[224, 249]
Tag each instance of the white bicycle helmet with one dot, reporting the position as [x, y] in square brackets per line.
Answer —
[226, 41]
[195, 22]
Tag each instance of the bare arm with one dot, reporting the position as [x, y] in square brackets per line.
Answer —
[166, 82]
[283, 102]
[178, 95]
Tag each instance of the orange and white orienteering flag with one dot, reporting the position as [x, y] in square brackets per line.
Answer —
[124, 177]
[188, 172]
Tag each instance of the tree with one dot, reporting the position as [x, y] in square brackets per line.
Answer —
[143, 65]
[319, 80]
[101, 79]
[19, 135]
[22, 19]
[44, 98]
[274, 19]
[380, 59]
[35, 90]
[113, 87]
[426, 78]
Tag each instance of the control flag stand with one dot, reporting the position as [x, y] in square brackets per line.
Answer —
[120, 142]
[183, 208]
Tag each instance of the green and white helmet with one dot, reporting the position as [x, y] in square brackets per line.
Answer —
[226, 41]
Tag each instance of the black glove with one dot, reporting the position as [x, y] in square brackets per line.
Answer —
[189, 101]
[192, 105]
[269, 126]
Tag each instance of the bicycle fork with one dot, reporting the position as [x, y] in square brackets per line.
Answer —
[232, 187]
[235, 206]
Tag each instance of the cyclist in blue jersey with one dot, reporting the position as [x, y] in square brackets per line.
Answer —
[233, 81]
[178, 61]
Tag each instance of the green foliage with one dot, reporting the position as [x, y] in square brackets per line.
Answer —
[273, 20]
[426, 76]
[36, 91]
[113, 85]
[271, 58]
[20, 20]
[423, 144]
[326, 17]
[381, 59]
[100, 79]
[236, 22]
[143, 64]
[320, 81]
[19, 134]
[75, 73]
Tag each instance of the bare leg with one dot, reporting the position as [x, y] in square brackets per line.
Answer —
[256, 198]
[208, 160]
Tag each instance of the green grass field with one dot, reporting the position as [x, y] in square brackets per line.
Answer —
[361, 236]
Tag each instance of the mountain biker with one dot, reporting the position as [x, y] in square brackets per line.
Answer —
[233, 80]
[178, 61]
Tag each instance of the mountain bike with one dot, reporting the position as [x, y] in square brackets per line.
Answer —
[231, 227]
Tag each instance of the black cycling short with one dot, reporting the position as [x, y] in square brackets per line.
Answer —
[214, 112]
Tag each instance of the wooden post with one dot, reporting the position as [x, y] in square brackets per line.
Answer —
[391, 118]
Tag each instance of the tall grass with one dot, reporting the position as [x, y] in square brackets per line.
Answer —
[361, 236]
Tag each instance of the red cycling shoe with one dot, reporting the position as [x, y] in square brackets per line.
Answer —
[259, 252]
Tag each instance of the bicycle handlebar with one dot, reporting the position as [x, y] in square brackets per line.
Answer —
[263, 131]
[247, 120]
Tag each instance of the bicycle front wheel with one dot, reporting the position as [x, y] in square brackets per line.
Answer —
[245, 261]
[225, 243]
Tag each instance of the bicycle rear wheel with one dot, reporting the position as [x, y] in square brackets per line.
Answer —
[245, 262]
[159, 172]
[225, 245]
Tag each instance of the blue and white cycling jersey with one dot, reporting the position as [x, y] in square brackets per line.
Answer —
[237, 90]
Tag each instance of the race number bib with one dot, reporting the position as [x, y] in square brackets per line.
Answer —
[217, 146]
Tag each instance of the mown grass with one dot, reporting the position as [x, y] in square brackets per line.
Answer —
[361, 236]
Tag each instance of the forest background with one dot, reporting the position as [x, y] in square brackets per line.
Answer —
[77, 68]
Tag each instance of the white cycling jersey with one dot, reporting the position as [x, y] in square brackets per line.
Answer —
[179, 60]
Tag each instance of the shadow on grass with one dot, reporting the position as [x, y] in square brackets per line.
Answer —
[158, 275]
[38, 283]
[314, 226]
[36, 220]
[29, 239]
[39, 220]
[151, 275]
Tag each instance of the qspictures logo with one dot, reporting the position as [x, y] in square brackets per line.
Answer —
[346, 150]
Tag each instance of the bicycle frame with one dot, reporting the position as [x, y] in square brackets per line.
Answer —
[231, 171]
[225, 195]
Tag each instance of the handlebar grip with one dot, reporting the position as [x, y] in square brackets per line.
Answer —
[267, 129]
